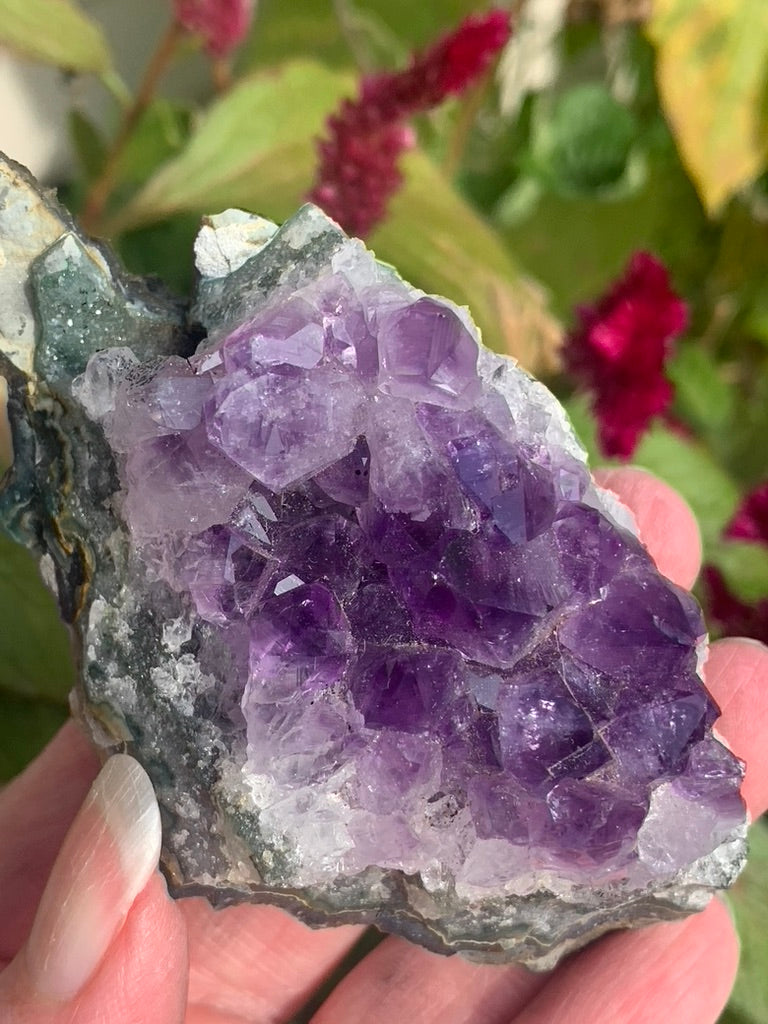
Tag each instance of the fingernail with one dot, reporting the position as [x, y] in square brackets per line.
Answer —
[107, 858]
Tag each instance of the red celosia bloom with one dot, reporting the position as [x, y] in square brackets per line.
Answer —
[619, 349]
[751, 519]
[728, 614]
[732, 616]
[223, 24]
[358, 170]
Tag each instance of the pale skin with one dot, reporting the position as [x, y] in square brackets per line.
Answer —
[166, 962]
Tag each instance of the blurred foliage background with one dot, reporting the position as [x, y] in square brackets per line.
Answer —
[608, 126]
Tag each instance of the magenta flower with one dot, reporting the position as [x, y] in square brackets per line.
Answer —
[223, 24]
[732, 616]
[750, 521]
[619, 349]
[358, 170]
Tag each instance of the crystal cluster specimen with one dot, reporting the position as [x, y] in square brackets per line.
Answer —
[386, 651]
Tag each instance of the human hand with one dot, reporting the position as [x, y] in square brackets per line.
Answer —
[90, 936]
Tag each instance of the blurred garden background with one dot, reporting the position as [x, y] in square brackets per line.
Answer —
[590, 177]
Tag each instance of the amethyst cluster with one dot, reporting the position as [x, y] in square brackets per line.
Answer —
[451, 657]
[339, 578]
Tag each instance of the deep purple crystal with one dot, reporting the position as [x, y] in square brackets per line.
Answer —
[455, 654]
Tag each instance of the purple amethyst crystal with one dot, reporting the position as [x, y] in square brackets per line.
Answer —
[418, 669]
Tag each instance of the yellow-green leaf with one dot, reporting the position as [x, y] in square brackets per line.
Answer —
[712, 57]
[436, 240]
[55, 32]
[254, 148]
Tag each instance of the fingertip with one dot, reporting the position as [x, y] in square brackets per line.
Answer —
[106, 860]
[736, 674]
[667, 526]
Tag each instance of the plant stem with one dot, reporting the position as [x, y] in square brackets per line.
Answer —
[102, 188]
[221, 74]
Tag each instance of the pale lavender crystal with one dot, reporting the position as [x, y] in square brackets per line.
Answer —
[450, 659]
[427, 354]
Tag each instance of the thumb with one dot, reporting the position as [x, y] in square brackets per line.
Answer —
[106, 942]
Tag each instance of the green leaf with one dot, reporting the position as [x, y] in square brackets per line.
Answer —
[731, 1015]
[578, 246]
[25, 728]
[88, 144]
[420, 25]
[160, 135]
[589, 139]
[374, 45]
[690, 468]
[744, 565]
[711, 75]
[301, 28]
[439, 243]
[329, 30]
[35, 656]
[702, 396]
[55, 32]
[742, 441]
[749, 900]
[254, 148]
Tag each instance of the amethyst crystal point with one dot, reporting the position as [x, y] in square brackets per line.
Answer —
[386, 651]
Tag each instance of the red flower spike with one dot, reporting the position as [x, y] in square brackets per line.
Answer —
[466, 54]
[728, 614]
[732, 616]
[750, 521]
[223, 24]
[358, 168]
[619, 349]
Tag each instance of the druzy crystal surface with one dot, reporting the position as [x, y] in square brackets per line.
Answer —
[386, 651]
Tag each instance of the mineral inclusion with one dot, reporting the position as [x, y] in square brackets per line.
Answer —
[386, 651]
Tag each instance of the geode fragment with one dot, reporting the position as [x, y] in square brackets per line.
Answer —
[341, 581]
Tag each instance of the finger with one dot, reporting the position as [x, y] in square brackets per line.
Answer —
[398, 982]
[106, 942]
[36, 809]
[736, 674]
[680, 972]
[256, 963]
[666, 524]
